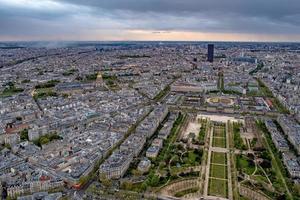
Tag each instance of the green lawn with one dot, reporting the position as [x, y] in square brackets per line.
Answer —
[218, 158]
[260, 178]
[238, 141]
[219, 142]
[218, 171]
[243, 164]
[44, 92]
[219, 132]
[219, 138]
[7, 92]
[218, 187]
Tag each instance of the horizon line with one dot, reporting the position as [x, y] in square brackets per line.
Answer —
[187, 41]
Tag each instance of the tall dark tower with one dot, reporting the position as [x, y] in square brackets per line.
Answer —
[210, 53]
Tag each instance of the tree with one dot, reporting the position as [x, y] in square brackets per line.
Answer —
[26, 81]
[24, 135]
[105, 181]
[136, 172]
[144, 186]
[7, 146]
[126, 185]
[154, 181]
[266, 164]
[44, 140]
[281, 197]
[91, 77]
[19, 118]
[83, 180]
[192, 157]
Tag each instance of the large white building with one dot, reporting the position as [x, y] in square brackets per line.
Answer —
[116, 165]
[292, 129]
[134, 143]
[291, 165]
[277, 138]
[192, 87]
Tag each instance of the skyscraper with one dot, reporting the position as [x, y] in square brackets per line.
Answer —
[210, 52]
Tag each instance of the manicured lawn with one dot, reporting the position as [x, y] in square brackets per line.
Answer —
[219, 132]
[218, 158]
[219, 142]
[218, 171]
[219, 138]
[217, 187]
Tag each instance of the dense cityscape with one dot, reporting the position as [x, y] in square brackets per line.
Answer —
[150, 120]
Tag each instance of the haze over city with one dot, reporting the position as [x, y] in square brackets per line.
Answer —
[150, 20]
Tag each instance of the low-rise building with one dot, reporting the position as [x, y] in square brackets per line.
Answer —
[157, 142]
[144, 165]
[152, 152]
[292, 165]
[42, 195]
[11, 139]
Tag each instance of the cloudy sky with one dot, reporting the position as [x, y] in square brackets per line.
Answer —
[212, 20]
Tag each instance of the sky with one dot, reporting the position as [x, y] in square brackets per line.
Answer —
[154, 20]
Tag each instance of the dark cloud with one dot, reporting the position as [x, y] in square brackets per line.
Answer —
[272, 9]
[64, 17]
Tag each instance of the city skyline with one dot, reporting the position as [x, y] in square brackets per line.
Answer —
[53, 20]
[150, 99]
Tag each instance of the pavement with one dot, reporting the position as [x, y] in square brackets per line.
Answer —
[205, 194]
